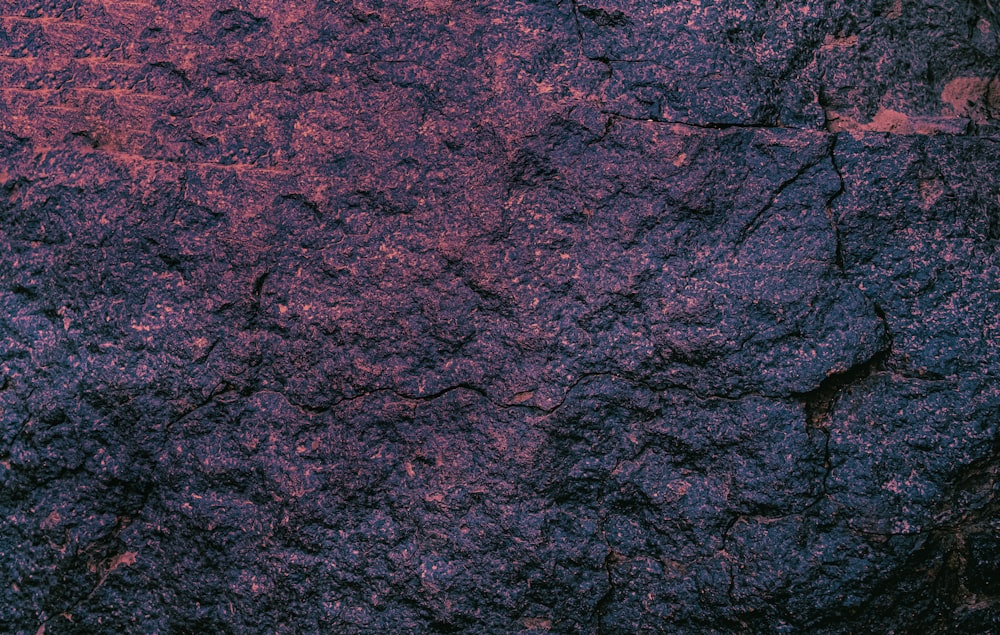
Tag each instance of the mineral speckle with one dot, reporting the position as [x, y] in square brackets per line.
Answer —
[574, 317]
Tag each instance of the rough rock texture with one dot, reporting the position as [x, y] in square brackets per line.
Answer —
[592, 316]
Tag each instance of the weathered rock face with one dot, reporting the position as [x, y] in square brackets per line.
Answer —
[603, 317]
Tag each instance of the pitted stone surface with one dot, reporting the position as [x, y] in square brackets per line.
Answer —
[398, 316]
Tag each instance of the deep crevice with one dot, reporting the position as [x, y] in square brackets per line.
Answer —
[838, 256]
[819, 402]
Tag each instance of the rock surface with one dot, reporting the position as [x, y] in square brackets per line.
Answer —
[591, 316]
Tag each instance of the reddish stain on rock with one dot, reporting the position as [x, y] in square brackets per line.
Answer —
[571, 317]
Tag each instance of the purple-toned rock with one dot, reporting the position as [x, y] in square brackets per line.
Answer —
[519, 317]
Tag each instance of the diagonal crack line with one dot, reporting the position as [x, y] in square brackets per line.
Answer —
[755, 222]
[839, 250]
[219, 390]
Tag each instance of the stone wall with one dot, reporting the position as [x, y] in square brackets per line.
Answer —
[590, 316]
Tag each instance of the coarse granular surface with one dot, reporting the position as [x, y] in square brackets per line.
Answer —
[521, 316]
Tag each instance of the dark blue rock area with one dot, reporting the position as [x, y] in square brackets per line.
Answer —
[590, 316]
